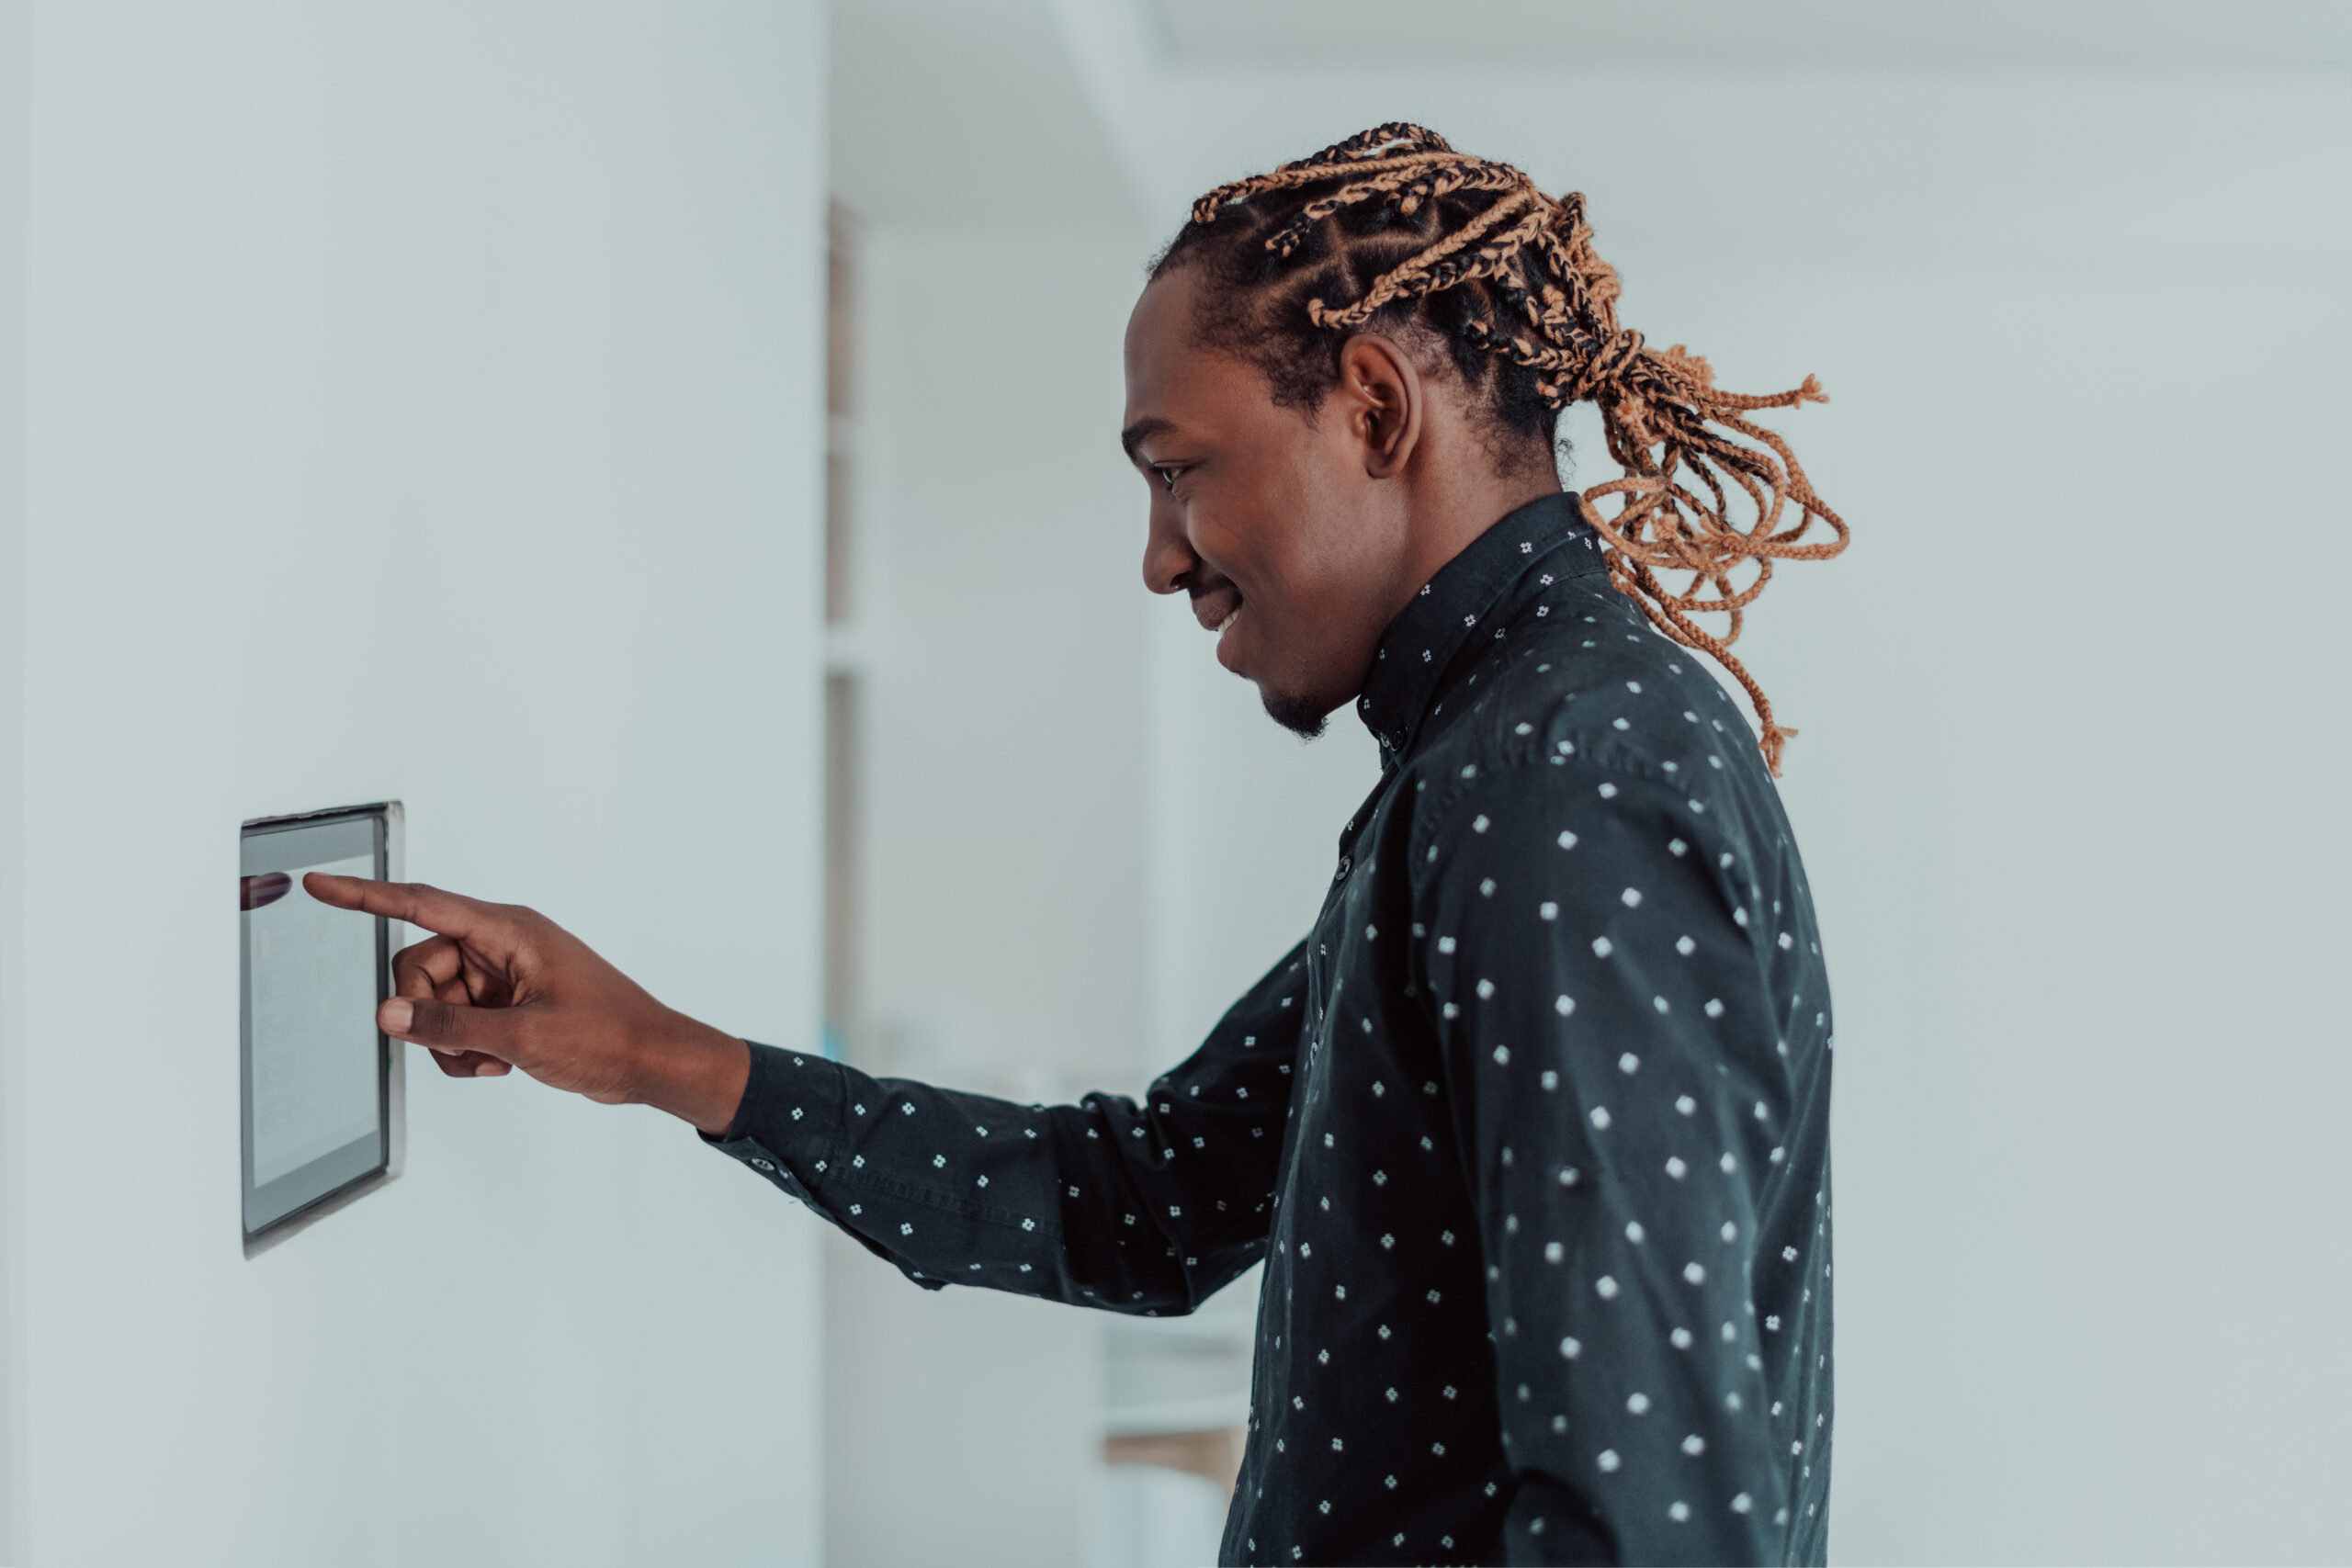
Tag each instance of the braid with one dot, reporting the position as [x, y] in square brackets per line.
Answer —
[1392, 230]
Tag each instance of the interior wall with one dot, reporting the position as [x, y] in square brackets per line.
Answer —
[1005, 636]
[1002, 639]
[1246, 818]
[424, 403]
[14, 122]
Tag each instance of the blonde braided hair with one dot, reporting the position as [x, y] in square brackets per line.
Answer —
[1393, 224]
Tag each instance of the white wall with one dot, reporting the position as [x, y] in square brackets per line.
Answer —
[422, 403]
[14, 124]
[1007, 627]
[1245, 822]
[1003, 628]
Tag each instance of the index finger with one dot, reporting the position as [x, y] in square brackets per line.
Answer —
[445, 914]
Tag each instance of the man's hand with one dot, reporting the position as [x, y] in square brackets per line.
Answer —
[498, 986]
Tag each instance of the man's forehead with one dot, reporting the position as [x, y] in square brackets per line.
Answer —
[1159, 331]
[1165, 300]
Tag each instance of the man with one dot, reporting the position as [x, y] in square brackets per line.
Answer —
[1530, 1129]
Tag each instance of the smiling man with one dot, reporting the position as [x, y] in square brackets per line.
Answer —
[1531, 1129]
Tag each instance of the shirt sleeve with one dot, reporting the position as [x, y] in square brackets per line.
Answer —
[1590, 959]
[1145, 1208]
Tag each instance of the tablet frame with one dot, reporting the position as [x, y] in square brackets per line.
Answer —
[391, 1108]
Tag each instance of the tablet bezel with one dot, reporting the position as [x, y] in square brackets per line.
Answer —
[385, 819]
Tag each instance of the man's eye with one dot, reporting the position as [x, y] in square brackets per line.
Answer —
[1167, 476]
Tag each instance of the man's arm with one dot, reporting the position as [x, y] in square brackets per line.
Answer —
[1138, 1208]
[1589, 953]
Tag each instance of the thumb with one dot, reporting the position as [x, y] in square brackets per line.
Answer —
[448, 1026]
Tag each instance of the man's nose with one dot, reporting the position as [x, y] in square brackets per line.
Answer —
[1167, 558]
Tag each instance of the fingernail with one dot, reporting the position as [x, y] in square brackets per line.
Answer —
[396, 1015]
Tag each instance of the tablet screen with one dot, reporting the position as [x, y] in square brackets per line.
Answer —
[315, 1118]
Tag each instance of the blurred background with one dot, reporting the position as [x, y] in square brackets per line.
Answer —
[673, 448]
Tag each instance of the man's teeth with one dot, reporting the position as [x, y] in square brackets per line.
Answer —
[1230, 619]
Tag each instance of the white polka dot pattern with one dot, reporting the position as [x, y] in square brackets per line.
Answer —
[1530, 1129]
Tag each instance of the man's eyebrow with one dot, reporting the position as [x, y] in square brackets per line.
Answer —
[1142, 430]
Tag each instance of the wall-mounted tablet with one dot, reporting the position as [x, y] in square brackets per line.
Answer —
[320, 1082]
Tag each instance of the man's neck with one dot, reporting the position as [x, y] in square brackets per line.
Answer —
[1459, 511]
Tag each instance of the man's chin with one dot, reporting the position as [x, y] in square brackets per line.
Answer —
[1303, 716]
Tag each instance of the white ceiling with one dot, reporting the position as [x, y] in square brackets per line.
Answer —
[967, 114]
[1887, 128]
[1975, 34]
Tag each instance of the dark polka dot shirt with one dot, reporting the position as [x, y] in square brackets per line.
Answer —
[1532, 1130]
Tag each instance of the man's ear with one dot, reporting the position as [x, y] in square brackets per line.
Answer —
[1382, 398]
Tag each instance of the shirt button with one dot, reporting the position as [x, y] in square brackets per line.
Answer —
[763, 1165]
[1344, 864]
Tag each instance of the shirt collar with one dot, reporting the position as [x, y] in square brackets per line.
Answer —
[1469, 597]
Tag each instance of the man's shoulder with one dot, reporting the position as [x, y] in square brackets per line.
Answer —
[1587, 701]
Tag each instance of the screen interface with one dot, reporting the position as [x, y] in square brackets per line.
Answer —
[314, 1105]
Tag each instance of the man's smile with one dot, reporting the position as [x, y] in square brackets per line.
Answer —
[1215, 607]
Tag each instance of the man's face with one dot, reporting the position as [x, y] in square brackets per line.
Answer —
[1268, 518]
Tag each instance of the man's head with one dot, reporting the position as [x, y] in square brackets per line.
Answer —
[1301, 529]
[1307, 479]
[1343, 372]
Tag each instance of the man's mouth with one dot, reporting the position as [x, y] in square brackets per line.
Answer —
[1205, 605]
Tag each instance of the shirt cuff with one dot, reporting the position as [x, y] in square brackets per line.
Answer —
[788, 1127]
